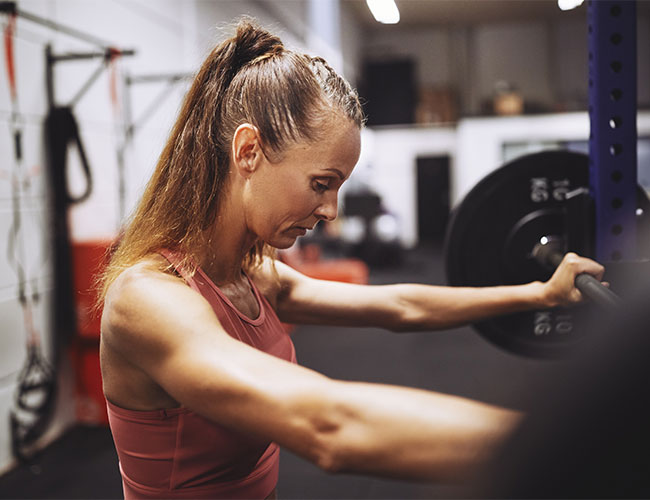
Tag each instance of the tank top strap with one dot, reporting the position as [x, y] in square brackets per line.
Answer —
[175, 259]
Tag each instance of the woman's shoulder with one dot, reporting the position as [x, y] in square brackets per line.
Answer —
[141, 286]
[147, 271]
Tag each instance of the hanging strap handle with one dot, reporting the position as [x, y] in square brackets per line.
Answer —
[62, 130]
[84, 165]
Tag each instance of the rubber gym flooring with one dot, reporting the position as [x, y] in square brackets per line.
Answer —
[83, 464]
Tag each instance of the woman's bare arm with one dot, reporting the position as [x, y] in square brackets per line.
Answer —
[171, 333]
[411, 307]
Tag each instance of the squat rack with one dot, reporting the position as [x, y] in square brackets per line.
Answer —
[612, 40]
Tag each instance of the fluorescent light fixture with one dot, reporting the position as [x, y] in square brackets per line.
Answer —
[569, 4]
[384, 11]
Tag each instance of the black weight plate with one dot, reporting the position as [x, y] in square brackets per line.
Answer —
[493, 231]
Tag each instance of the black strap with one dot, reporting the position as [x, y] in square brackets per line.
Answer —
[61, 131]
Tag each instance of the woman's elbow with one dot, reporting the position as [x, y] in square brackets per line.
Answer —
[329, 460]
[326, 450]
[327, 445]
[410, 321]
[340, 456]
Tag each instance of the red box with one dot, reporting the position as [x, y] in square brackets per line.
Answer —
[89, 258]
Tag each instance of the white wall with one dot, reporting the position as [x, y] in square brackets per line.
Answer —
[480, 142]
[388, 166]
[475, 146]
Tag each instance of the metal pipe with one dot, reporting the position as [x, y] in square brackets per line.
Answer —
[11, 8]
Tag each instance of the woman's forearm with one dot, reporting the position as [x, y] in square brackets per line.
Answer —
[425, 307]
[435, 307]
[410, 433]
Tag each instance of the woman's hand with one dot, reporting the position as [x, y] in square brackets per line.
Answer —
[560, 289]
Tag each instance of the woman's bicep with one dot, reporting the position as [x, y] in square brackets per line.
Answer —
[312, 301]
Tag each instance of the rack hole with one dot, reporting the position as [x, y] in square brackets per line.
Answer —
[617, 176]
[616, 38]
[616, 66]
[617, 229]
[617, 203]
[616, 94]
[615, 149]
[615, 122]
[616, 255]
[615, 11]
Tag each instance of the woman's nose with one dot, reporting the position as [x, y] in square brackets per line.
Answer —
[328, 210]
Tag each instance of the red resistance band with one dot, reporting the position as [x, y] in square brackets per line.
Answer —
[114, 55]
[9, 54]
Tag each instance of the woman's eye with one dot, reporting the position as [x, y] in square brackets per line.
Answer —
[320, 187]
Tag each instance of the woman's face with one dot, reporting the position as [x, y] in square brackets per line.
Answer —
[287, 198]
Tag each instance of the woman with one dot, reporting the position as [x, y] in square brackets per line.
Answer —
[199, 375]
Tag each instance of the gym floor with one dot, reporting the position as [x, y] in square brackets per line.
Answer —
[83, 464]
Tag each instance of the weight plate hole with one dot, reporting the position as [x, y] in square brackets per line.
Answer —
[617, 229]
[615, 122]
[617, 203]
[616, 38]
[616, 94]
[616, 66]
[615, 149]
[617, 176]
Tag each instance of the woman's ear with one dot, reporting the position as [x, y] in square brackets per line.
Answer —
[246, 150]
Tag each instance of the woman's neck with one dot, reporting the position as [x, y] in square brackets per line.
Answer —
[226, 246]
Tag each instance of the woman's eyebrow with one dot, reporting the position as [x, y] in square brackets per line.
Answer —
[337, 172]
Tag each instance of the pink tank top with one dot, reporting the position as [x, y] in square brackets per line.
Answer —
[176, 453]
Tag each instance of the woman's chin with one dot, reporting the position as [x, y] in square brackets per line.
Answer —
[282, 243]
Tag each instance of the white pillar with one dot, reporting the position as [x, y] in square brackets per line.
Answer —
[324, 31]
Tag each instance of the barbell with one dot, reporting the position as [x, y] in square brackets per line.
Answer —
[512, 228]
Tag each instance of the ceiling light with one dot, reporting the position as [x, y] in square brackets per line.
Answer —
[384, 11]
[569, 4]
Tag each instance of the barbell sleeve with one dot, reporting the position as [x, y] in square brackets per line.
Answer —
[589, 286]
